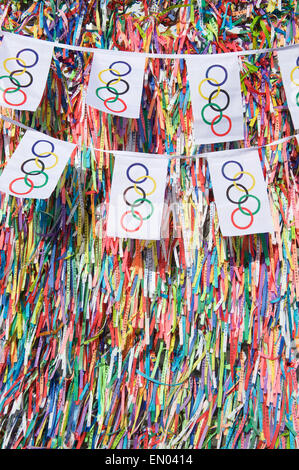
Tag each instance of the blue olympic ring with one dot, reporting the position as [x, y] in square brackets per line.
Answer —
[221, 67]
[42, 156]
[137, 164]
[120, 74]
[237, 163]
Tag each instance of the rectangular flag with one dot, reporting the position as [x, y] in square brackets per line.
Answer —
[35, 166]
[137, 197]
[116, 83]
[240, 192]
[24, 68]
[216, 98]
[288, 60]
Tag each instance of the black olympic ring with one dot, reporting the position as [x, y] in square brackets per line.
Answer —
[134, 205]
[33, 172]
[115, 92]
[16, 82]
[221, 67]
[28, 66]
[212, 105]
[120, 74]
[42, 156]
[233, 186]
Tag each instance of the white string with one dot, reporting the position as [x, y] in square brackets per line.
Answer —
[160, 155]
[152, 55]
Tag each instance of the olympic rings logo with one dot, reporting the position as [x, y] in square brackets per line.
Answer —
[38, 159]
[244, 198]
[141, 199]
[19, 72]
[294, 81]
[211, 103]
[113, 86]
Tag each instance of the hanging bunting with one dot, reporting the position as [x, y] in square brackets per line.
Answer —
[116, 83]
[216, 98]
[24, 68]
[35, 167]
[137, 198]
[240, 193]
[289, 67]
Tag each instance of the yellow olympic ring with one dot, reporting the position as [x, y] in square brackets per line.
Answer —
[244, 173]
[210, 79]
[14, 58]
[108, 70]
[47, 153]
[292, 75]
[141, 178]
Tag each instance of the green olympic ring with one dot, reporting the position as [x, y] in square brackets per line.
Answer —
[13, 90]
[210, 105]
[115, 91]
[32, 173]
[297, 99]
[135, 203]
[246, 196]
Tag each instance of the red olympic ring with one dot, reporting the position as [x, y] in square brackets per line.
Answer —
[13, 104]
[234, 223]
[130, 230]
[229, 128]
[113, 110]
[18, 179]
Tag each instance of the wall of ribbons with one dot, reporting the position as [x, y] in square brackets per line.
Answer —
[187, 341]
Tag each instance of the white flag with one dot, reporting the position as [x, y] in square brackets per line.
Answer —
[24, 68]
[137, 197]
[240, 192]
[116, 83]
[35, 167]
[216, 98]
[289, 67]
